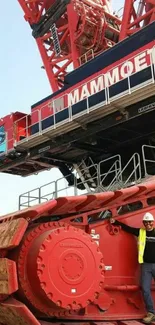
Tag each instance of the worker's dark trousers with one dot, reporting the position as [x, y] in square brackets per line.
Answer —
[147, 274]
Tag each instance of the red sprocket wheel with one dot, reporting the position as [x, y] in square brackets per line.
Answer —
[60, 268]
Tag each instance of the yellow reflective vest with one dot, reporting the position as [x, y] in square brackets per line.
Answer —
[141, 244]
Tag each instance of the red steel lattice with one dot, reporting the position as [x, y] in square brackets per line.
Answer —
[81, 27]
[136, 15]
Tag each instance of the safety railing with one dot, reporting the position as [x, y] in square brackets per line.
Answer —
[61, 109]
[63, 187]
[128, 76]
[31, 123]
[107, 87]
[113, 173]
[56, 112]
[131, 173]
[30, 198]
[86, 178]
[148, 153]
[47, 192]
[80, 101]
[51, 190]
[18, 132]
[78, 184]
[89, 55]
[38, 195]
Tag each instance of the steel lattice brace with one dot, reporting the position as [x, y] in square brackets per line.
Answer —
[77, 27]
[136, 15]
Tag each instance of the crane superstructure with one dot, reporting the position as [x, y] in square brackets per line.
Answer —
[66, 30]
[101, 71]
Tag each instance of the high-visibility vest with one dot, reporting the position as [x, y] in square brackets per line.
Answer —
[141, 244]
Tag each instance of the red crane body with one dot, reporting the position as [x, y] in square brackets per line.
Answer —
[76, 35]
[62, 261]
[77, 268]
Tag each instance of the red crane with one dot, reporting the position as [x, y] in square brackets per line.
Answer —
[70, 32]
[61, 261]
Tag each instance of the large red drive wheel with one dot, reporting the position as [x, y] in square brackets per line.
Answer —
[61, 266]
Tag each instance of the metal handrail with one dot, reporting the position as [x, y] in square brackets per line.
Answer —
[111, 171]
[86, 57]
[57, 189]
[116, 182]
[133, 158]
[145, 160]
[108, 99]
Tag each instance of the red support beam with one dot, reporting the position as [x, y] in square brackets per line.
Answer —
[136, 16]
[83, 27]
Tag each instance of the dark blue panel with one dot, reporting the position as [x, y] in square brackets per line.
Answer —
[47, 122]
[50, 96]
[96, 98]
[117, 52]
[61, 116]
[118, 88]
[35, 128]
[140, 77]
[79, 107]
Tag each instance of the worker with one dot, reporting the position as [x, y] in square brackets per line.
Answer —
[146, 257]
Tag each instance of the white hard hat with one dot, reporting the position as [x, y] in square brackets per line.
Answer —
[148, 217]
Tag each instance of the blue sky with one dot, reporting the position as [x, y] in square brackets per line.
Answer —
[22, 83]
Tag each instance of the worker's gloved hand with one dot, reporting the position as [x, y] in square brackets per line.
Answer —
[115, 222]
[112, 221]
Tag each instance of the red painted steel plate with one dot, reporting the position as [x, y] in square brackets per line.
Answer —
[8, 277]
[13, 312]
[12, 232]
[72, 259]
